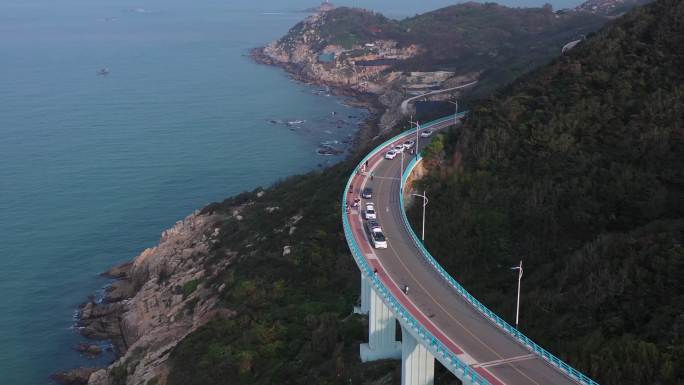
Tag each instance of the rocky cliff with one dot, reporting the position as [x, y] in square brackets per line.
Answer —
[159, 298]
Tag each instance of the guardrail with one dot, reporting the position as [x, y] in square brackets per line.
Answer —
[399, 310]
[528, 343]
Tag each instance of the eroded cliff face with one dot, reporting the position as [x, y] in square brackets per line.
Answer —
[368, 68]
[161, 297]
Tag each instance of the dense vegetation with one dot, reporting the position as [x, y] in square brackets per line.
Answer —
[578, 169]
[477, 37]
[293, 321]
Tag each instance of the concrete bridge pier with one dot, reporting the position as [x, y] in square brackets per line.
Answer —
[365, 296]
[382, 330]
[417, 363]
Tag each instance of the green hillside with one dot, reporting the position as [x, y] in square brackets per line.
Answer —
[474, 36]
[578, 169]
[292, 322]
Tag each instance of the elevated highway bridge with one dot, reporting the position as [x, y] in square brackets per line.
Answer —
[439, 319]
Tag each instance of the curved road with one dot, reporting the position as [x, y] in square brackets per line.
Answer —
[494, 354]
[405, 103]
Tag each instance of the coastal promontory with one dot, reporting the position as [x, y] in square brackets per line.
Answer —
[365, 53]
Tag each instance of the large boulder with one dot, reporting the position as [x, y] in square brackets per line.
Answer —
[79, 376]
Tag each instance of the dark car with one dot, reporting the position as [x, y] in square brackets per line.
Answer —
[367, 193]
[372, 224]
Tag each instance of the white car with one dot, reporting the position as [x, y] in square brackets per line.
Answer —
[370, 212]
[408, 144]
[426, 134]
[391, 154]
[375, 235]
[378, 239]
[399, 149]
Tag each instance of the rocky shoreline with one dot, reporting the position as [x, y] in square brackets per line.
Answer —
[381, 114]
[101, 320]
[155, 301]
[353, 98]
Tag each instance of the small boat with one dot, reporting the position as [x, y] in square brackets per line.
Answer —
[103, 71]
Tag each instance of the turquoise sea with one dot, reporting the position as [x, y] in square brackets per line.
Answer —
[93, 168]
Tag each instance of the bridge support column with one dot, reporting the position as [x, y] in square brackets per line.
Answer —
[365, 296]
[382, 330]
[417, 363]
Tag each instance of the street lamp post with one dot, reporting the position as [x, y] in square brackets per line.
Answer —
[517, 304]
[417, 136]
[402, 164]
[425, 203]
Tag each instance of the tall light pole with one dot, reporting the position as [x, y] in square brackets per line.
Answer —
[455, 113]
[425, 203]
[417, 136]
[402, 164]
[517, 305]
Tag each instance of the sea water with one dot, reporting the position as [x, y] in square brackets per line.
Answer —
[93, 167]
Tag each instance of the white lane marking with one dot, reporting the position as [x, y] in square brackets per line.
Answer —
[505, 361]
[467, 359]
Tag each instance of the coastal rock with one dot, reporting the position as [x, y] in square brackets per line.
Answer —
[328, 150]
[145, 313]
[78, 376]
[89, 350]
[119, 272]
[119, 290]
[102, 322]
